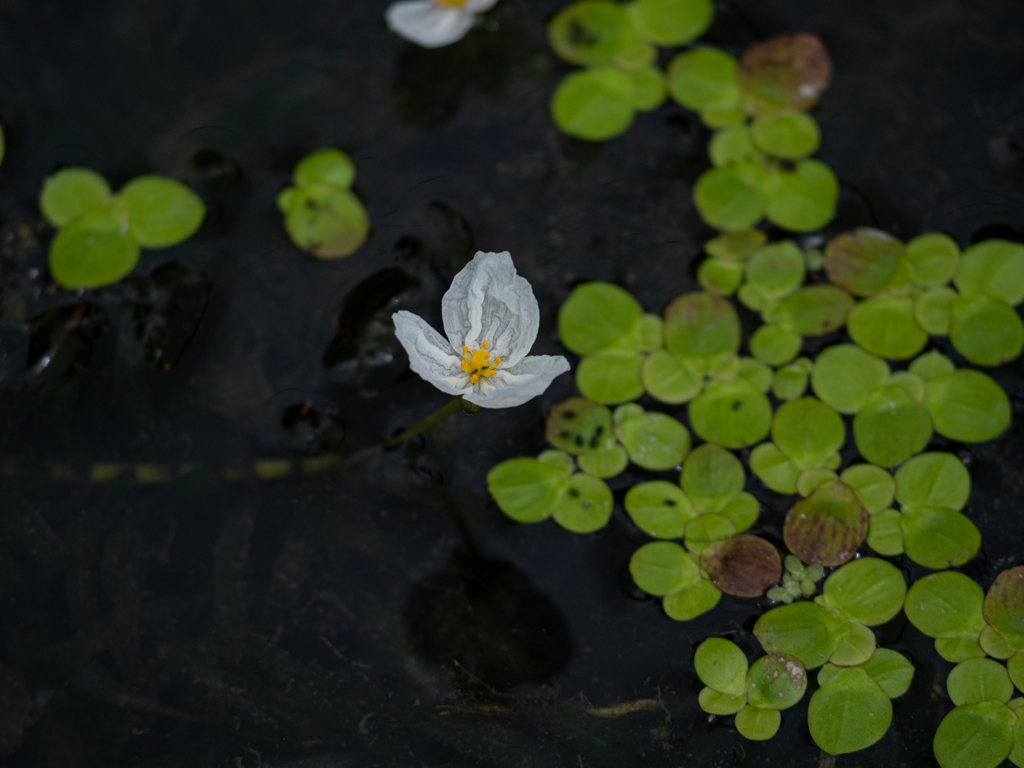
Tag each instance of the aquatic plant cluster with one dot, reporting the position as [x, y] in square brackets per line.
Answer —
[784, 412]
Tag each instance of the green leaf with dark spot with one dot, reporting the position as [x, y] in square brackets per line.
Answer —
[586, 506]
[659, 508]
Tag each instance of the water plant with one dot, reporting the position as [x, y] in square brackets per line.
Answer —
[100, 234]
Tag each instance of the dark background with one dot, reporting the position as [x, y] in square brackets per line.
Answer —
[342, 619]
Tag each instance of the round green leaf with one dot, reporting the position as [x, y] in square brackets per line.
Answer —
[742, 511]
[933, 308]
[789, 382]
[670, 379]
[594, 104]
[717, 703]
[885, 536]
[608, 461]
[811, 478]
[593, 33]
[1004, 604]
[776, 270]
[324, 220]
[774, 345]
[913, 385]
[827, 527]
[649, 89]
[931, 365]
[757, 373]
[784, 74]
[774, 468]
[692, 600]
[611, 377]
[933, 479]
[804, 199]
[586, 506]
[993, 268]
[699, 326]
[704, 79]
[803, 630]
[671, 22]
[662, 567]
[559, 459]
[742, 565]
[598, 317]
[706, 530]
[660, 509]
[975, 736]
[865, 262]
[946, 604]
[844, 376]
[812, 311]
[986, 331]
[867, 590]
[758, 724]
[579, 425]
[721, 665]
[957, 649]
[885, 326]
[890, 670]
[932, 259]
[731, 146]
[720, 277]
[325, 166]
[736, 246]
[776, 681]
[161, 211]
[968, 406]
[789, 136]
[995, 644]
[94, 250]
[71, 192]
[527, 490]
[655, 441]
[651, 333]
[733, 414]
[977, 680]
[855, 647]
[1015, 668]
[874, 487]
[807, 431]
[731, 197]
[891, 427]
[849, 713]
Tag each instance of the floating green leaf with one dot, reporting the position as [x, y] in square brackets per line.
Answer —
[867, 590]
[586, 506]
[931, 365]
[790, 381]
[595, 33]
[731, 146]
[655, 441]
[789, 137]
[731, 197]
[997, 645]
[671, 379]
[849, 713]
[594, 104]
[324, 220]
[776, 270]
[527, 490]
[649, 89]
[808, 431]
[742, 510]
[804, 199]
[659, 508]
[711, 477]
[325, 166]
[784, 74]
[812, 311]
[662, 567]
[758, 724]
[913, 385]
[692, 600]
[957, 649]
[774, 345]
[891, 427]
[975, 736]
[828, 526]
[721, 665]
[611, 377]
[733, 414]
[757, 373]
[977, 680]
[699, 326]
[890, 670]
[742, 565]
[993, 268]
[736, 246]
[885, 535]
[704, 79]
[934, 479]
[1004, 605]
[855, 646]
[933, 309]
[706, 530]
[803, 630]
[968, 406]
[776, 681]
[885, 326]
[607, 461]
[598, 317]
[986, 331]
[932, 259]
[866, 261]
[717, 703]
[774, 468]
[71, 192]
[946, 604]
[719, 276]
[874, 487]
[651, 333]
[844, 376]
[94, 250]
[161, 212]
[579, 425]
[671, 22]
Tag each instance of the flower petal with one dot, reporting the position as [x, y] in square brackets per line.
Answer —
[489, 302]
[479, 6]
[509, 388]
[430, 355]
[428, 24]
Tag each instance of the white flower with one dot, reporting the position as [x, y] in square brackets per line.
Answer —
[491, 319]
[434, 23]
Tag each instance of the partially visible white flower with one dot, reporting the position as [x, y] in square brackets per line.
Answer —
[491, 320]
[435, 23]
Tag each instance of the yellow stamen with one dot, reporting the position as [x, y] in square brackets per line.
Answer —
[477, 363]
[450, 3]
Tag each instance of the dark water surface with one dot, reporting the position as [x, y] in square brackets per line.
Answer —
[387, 614]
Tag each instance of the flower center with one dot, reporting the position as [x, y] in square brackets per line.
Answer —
[477, 363]
[450, 3]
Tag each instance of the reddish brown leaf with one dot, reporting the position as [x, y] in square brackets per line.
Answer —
[828, 526]
[743, 565]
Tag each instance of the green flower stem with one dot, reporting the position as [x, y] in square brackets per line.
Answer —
[431, 421]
